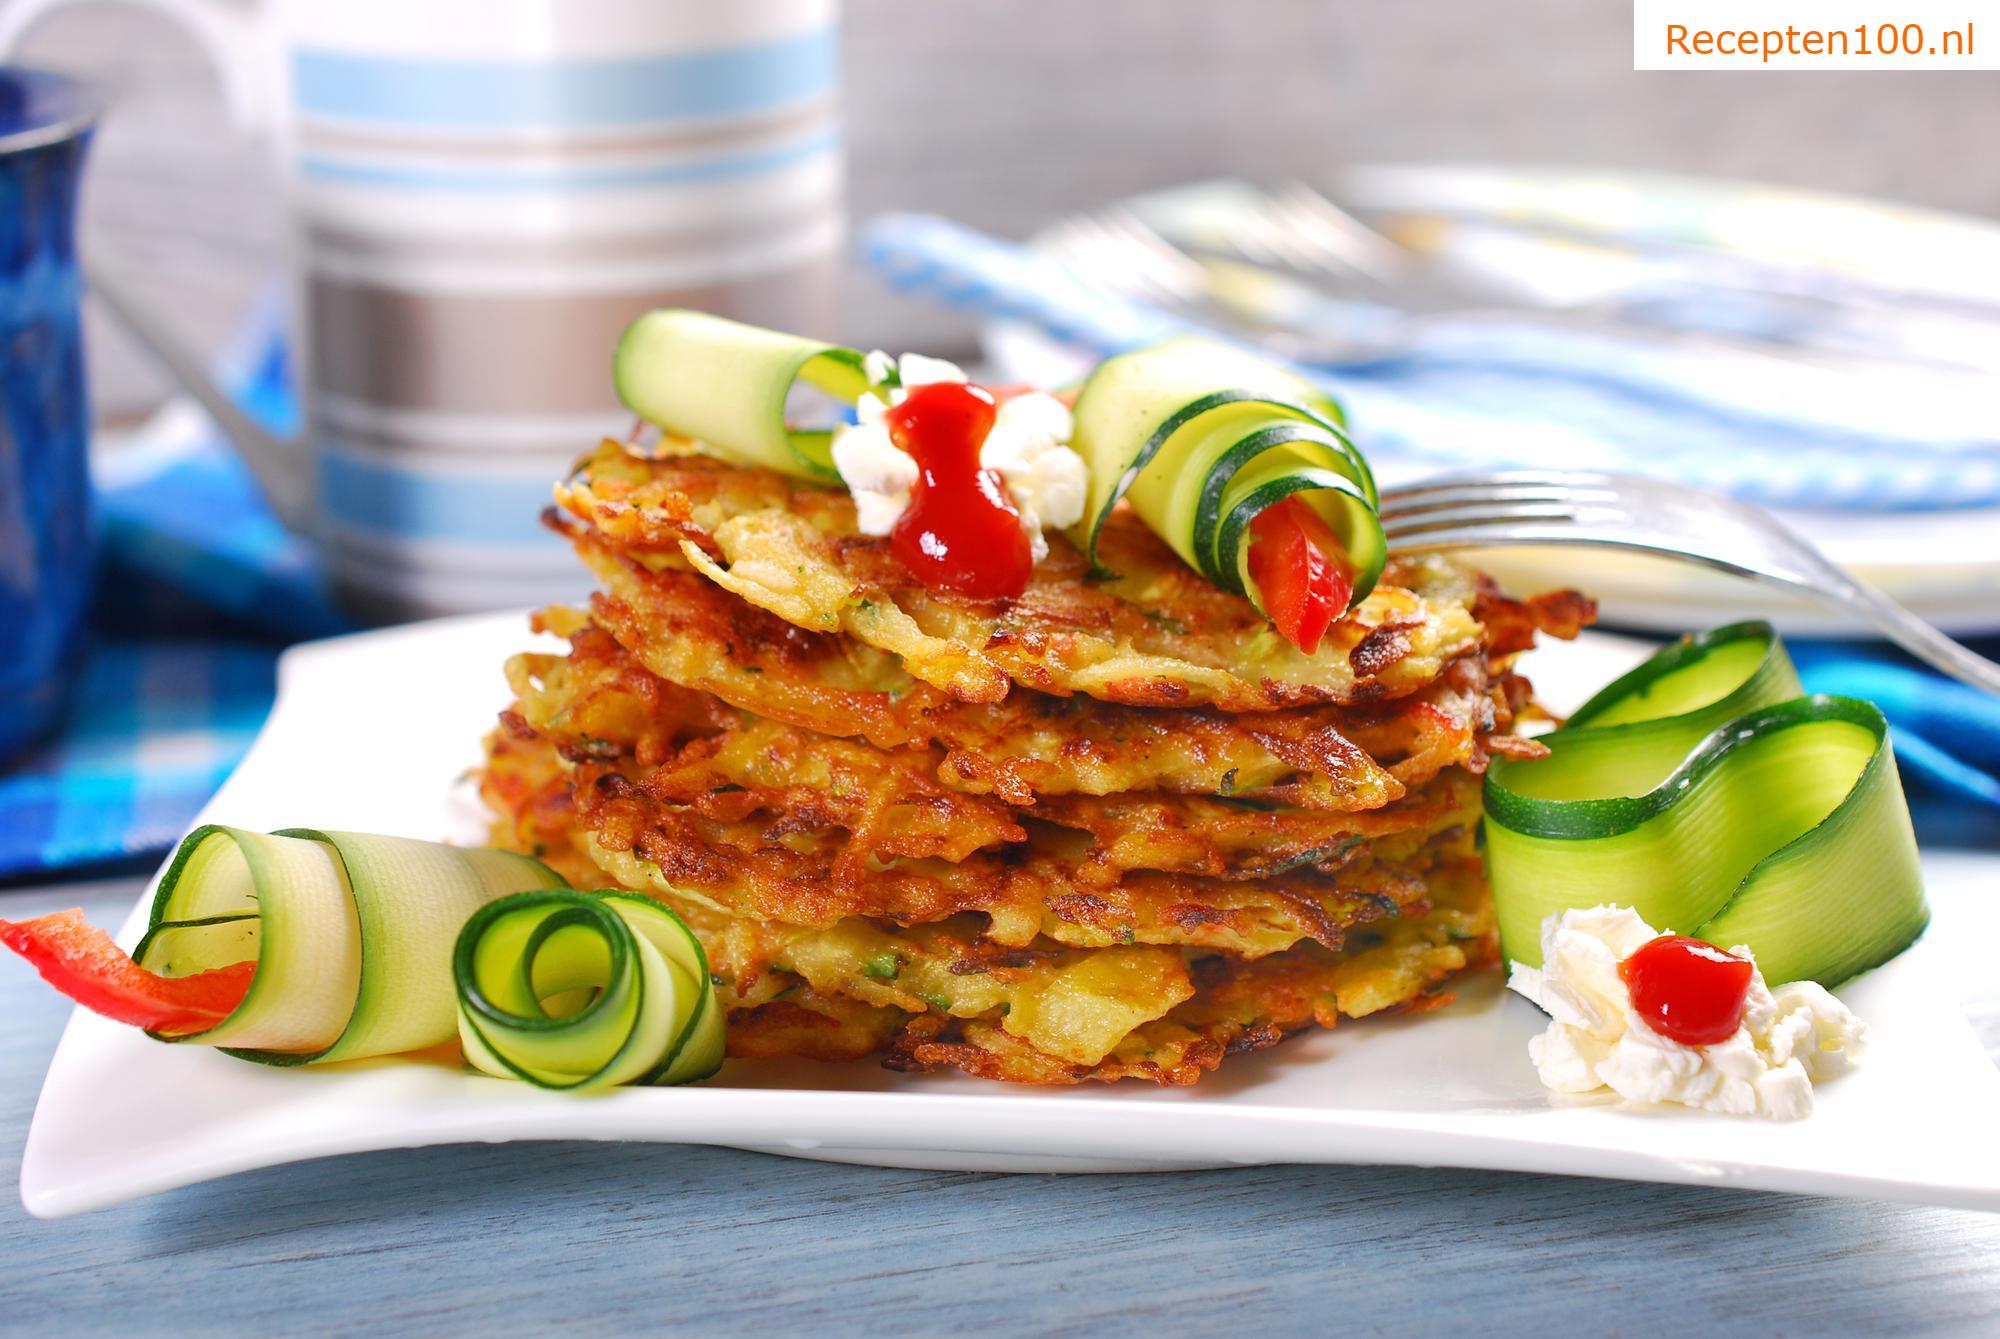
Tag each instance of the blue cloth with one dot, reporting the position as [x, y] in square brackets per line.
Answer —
[1483, 392]
[1946, 734]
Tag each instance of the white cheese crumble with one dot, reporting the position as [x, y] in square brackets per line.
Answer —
[876, 471]
[915, 370]
[877, 366]
[1596, 1039]
[1028, 447]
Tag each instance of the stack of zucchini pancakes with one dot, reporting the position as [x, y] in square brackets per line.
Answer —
[1115, 828]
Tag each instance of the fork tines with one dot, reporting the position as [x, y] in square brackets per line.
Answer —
[1446, 510]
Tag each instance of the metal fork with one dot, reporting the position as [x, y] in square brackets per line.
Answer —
[1298, 228]
[1261, 297]
[1117, 252]
[1624, 511]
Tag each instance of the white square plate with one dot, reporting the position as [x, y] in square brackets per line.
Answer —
[373, 732]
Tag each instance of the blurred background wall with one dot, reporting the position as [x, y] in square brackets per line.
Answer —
[1004, 113]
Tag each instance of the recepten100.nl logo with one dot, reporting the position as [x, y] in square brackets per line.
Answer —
[1807, 35]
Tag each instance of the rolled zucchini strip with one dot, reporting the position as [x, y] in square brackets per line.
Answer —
[352, 934]
[1701, 791]
[1200, 438]
[586, 990]
[725, 384]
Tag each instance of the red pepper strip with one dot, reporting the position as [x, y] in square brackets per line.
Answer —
[83, 963]
[1302, 573]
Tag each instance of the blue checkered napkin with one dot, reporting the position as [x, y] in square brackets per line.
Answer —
[156, 727]
[1490, 393]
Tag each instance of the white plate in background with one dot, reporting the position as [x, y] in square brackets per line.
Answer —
[373, 732]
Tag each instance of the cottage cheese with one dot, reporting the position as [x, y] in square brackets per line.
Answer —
[876, 471]
[1027, 447]
[1595, 1039]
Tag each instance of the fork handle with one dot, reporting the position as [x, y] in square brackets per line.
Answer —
[1914, 635]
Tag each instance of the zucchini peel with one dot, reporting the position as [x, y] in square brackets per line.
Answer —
[352, 934]
[582, 991]
[370, 946]
[1704, 792]
[1200, 437]
[725, 384]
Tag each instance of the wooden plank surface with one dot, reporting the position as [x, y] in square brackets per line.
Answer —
[597, 1238]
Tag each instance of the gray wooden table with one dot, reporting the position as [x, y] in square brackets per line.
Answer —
[555, 1238]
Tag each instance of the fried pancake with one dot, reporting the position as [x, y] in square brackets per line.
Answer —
[889, 802]
[794, 876]
[1235, 1009]
[598, 701]
[1048, 1013]
[1229, 839]
[945, 994]
[810, 1026]
[731, 766]
[1070, 1004]
[927, 966]
[1238, 1006]
[1075, 1004]
[1051, 886]
[526, 786]
[889, 807]
[1155, 634]
[1033, 745]
[1027, 746]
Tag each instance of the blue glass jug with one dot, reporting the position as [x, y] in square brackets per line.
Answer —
[45, 538]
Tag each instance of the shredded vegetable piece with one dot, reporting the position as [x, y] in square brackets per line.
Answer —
[84, 963]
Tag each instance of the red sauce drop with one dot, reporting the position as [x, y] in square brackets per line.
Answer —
[1686, 990]
[959, 533]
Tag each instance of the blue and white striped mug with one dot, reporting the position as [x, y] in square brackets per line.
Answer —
[483, 192]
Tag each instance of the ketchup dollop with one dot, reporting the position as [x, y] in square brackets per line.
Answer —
[959, 533]
[1687, 990]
